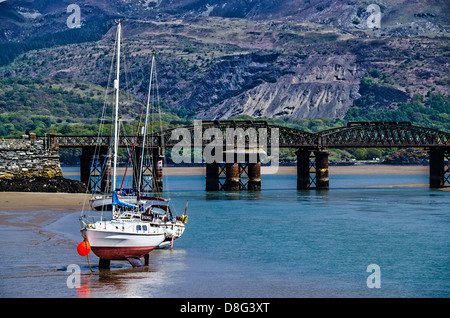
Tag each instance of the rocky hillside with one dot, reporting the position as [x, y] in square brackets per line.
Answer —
[318, 86]
[217, 58]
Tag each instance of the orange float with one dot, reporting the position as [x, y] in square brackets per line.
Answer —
[83, 248]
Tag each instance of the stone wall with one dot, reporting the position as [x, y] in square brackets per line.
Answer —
[28, 158]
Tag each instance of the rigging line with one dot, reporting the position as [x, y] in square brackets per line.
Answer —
[105, 103]
[134, 142]
[106, 159]
[145, 125]
[87, 256]
[152, 118]
[111, 139]
[127, 73]
[158, 102]
[116, 109]
[125, 64]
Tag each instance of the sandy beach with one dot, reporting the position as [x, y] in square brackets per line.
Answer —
[43, 201]
[36, 209]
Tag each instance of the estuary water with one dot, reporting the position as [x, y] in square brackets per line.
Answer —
[277, 243]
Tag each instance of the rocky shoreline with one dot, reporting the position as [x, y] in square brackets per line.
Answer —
[41, 184]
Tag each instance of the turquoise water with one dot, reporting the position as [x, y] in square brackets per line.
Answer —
[275, 243]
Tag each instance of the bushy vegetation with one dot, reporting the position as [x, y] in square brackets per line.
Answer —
[92, 31]
[431, 111]
[43, 106]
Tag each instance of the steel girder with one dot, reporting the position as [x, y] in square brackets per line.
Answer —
[383, 135]
[356, 134]
[251, 132]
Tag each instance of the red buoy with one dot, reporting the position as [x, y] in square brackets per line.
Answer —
[83, 248]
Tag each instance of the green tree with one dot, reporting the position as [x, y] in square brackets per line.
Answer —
[373, 153]
[65, 130]
[360, 153]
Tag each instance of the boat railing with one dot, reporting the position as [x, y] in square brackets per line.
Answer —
[94, 216]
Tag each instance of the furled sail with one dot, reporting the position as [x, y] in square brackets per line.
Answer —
[116, 201]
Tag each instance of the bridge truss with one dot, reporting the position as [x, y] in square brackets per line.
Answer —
[310, 145]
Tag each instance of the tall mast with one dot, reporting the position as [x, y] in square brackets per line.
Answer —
[116, 116]
[146, 121]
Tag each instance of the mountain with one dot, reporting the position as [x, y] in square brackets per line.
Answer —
[218, 59]
[22, 19]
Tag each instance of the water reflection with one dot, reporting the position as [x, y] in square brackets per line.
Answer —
[121, 280]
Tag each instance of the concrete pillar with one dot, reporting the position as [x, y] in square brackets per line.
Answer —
[437, 167]
[212, 177]
[254, 176]
[303, 173]
[322, 179]
[232, 177]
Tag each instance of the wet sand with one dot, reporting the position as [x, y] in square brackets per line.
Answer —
[43, 201]
[34, 210]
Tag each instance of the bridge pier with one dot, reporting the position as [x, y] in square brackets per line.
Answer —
[312, 169]
[95, 168]
[157, 165]
[322, 179]
[439, 167]
[303, 169]
[254, 176]
[151, 178]
[212, 176]
[234, 176]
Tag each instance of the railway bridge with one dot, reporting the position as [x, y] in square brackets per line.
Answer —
[234, 151]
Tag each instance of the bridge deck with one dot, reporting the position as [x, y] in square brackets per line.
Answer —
[359, 134]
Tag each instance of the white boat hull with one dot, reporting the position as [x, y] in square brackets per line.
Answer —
[111, 243]
[177, 230]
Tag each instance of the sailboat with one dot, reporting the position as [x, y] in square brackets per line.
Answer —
[158, 207]
[129, 234]
[103, 202]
